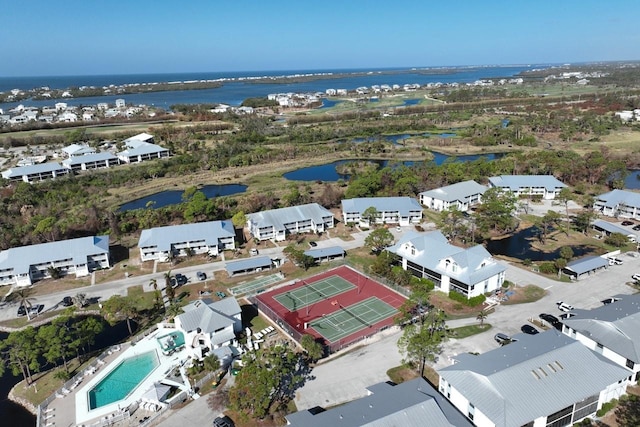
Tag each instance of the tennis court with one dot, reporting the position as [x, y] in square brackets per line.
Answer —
[256, 284]
[312, 293]
[347, 320]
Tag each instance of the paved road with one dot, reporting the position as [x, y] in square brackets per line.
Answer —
[104, 291]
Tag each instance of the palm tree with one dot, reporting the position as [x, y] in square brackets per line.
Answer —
[154, 284]
[168, 289]
[481, 316]
[25, 300]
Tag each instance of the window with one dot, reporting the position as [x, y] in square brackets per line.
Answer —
[560, 418]
[471, 411]
[630, 364]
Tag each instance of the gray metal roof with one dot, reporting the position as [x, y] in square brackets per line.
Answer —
[403, 205]
[21, 258]
[616, 326]
[413, 403]
[516, 182]
[586, 264]
[611, 228]
[278, 217]
[33, 169]
[325, 252]
[533, 377]
[433, 247]
[620, 197]
[456, 192]
[88, 158]
[248, 264]
[207, 315]
[164, 237]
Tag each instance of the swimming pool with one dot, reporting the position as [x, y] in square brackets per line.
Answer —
[123, 379]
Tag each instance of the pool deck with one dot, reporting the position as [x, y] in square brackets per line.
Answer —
[73, 408]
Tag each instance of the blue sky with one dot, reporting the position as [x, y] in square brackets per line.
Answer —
[71, 37]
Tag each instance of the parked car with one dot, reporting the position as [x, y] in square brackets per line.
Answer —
[528, 329]
[563, 306]
[627, 223]
[503, 339]
[201, 276]
[612, 300]
[35, 309]
[313, 244]
[22, 311]
[253, 252]
[67, 301]
[224, 421]
[636, 227]
[181, 279]
[614, 260]
[551, 319]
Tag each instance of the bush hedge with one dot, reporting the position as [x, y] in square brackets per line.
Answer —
[471, 302]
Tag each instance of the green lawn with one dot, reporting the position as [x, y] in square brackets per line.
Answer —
[467, 331]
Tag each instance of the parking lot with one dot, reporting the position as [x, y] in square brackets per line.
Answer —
[586, 293]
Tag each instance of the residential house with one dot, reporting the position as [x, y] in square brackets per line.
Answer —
[612, 330]
[135, 140]
[619, 203]
[77, 150]
[120, 103]
[24, 265]
[544, 186]
[471, 272]
[546, 379]
[164, 243]
[461, 196]
[413, 403]
[208, 325]
[276, 224]
[34, 173]
[390, 210]
[91, 161]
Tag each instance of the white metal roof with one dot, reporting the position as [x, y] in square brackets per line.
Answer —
[455, 192]
[164, 237]
[22, 257]
[531, 378]
[403, 205]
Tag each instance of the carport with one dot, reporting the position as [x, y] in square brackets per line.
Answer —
[585, 265]
[608, 228]
[325, 254]
[248, 265]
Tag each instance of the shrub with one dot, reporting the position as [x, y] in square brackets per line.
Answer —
[548, 268]
[607, 407]
[471, 302]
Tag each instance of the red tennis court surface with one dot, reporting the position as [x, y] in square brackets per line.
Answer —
[293, 321]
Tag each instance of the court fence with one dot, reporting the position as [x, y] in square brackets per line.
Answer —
[297, 336]
[381, 279]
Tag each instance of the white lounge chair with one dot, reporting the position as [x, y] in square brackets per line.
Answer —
[101, 362]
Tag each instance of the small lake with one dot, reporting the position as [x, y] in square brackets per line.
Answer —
[327, 172]
[409, 102]
[632, 181]
[174, 197]
[519, 246]
[328, 103]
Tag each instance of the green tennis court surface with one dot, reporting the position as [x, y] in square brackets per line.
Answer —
[312, 293]
[256, 284]
[347, 320]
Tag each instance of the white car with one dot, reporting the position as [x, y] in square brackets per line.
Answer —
[563, 306]
[616, 261]
[636, 276]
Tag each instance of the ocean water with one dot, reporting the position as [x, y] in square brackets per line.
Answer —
[239, 86]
